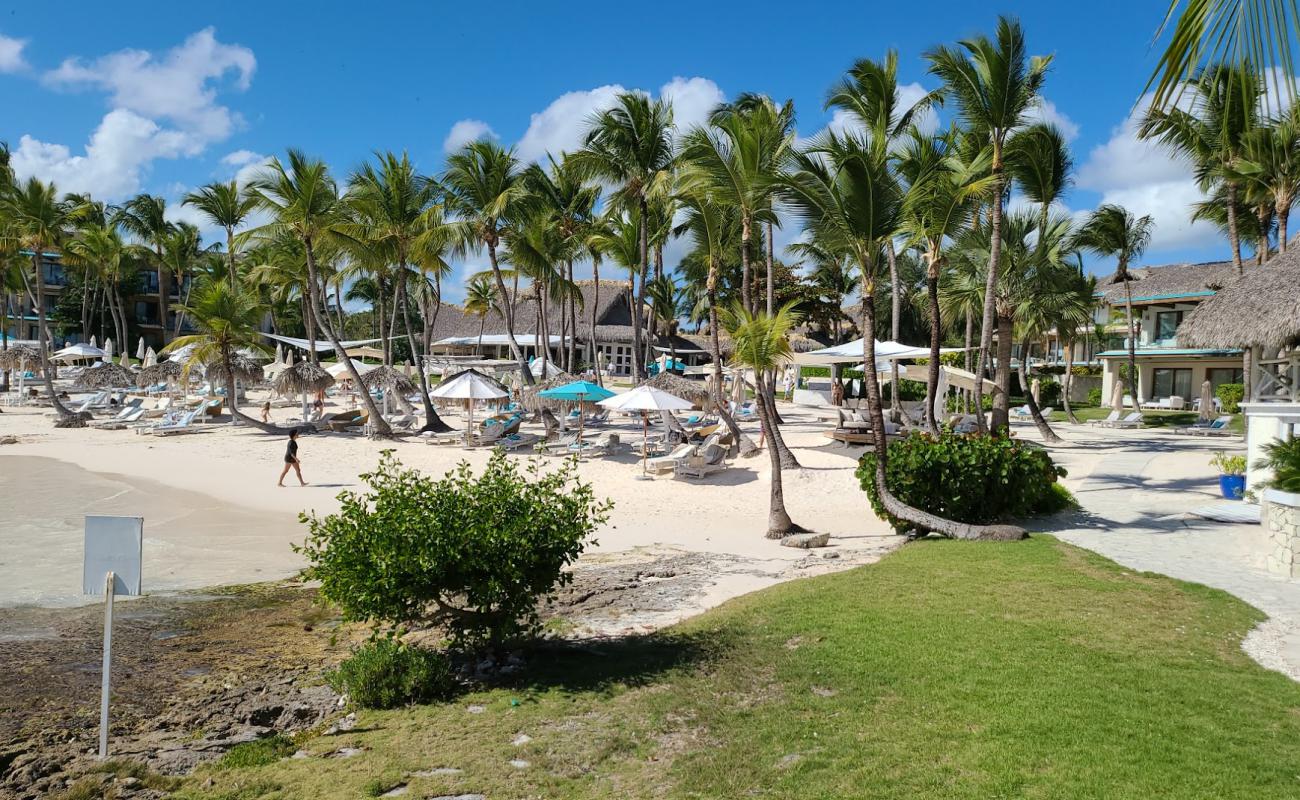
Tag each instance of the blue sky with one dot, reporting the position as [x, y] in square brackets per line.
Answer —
[116, 103]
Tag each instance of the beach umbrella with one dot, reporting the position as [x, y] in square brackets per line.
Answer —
[92, 341]
[387, 379]
[126, 359]
[339, 370]
[469, 385]
[940, 395]
[18, 358]
[279, 353]
[288, 358]
[1035, 387]
[1207, 400]
[302, 378]
[1117, 395]
[577, 392]
[108, 349]
[695, 391]
[139, 349]
[159, 372]
[645, 398]
[106, 375]
[150, 358]
[78, 352]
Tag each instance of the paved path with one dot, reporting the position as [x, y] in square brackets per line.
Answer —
[1136, 492]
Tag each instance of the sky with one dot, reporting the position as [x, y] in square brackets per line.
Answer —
[115, 103]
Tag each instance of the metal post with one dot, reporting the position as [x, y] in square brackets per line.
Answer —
[109, 582]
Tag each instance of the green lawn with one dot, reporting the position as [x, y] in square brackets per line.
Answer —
[948, 670]
[1150, 419]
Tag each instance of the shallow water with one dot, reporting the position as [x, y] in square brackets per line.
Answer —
[191, 539]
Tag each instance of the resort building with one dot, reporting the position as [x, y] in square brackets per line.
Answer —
[1163, 298]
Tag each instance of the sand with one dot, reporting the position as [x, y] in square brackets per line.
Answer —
[214, 515]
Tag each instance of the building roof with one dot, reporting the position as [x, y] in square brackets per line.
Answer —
[1169, 283]
[614, 317]
[1171, 351]
[1261, 308]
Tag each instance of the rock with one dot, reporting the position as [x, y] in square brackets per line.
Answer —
[521, 739]
[347, 723]
[476, 709]
[822, 691]
[300, 754]
[129, 781]
[788, 760]
[458, 797]
[8, 440]
[348, 752]
[519, 763]
[396, 791]
[806, 540]
[831, 554]
[429, 773]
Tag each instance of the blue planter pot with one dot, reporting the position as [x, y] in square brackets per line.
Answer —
[1232, 486]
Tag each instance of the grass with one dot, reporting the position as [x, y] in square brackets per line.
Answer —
[258, 752]
[947, 670]
[1150, 419]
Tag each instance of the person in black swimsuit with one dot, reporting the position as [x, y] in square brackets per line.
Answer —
[291, 459]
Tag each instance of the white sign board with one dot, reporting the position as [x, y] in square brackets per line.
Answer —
[113, 544]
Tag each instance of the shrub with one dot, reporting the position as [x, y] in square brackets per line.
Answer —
[972, 479]
[258, 752]
[1094, 397]
[1049, 393]
[1283, 458]
[1229, 465]
[1230, 395]
[473, 553]
[385, 673]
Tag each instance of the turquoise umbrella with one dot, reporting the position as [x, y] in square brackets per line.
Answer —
[577, 392]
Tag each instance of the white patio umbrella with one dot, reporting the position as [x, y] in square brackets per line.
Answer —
[139, 349]
[1207, 400]
[78, 352]
[279, 353]
[646, 398]
[150, 357]
[469, 386]
[92, 341]
[1035, 389]
[940, 395]
[108, 349]
[1117, 395]
[126, 359]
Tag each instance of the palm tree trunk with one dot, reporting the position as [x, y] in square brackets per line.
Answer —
[432, 422]
[571, 361]
[164, 293]
[638, 303]
[1040, 422]
[895, 311]
[999, 416]
[238, 416]
[779, 524]
[1067, 380]
[180, 315]
[379, 306]
[1283, 214]
[746, 296]
[377, 419]
[508, 309]
[595, 303]
[743, 444]
[765, 395]
[87, 290]
[1002, 374]
[932, 384]
[230, 257]
[923, 521]
[966, 355]
[771, 281]
[1234, 240]
[43, 327]
[1132, 345]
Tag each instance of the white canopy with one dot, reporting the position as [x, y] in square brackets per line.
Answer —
[498, 340]
[949, 377]
[646, 398]
[340, 369]
[851, 353]
[77, 352]
[468, 385]
[139, 349]
[535, 367]
[321, 346]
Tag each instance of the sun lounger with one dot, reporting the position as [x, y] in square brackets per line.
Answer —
[1218, 427]
[1113, 416]
[447, 437]
[340, 416]
[559, 446]
[669, 462]
[1133, 420]
[124, 418]
[349, 425]
[184, 425]
[91, 402]
[516, 441]
[707, 459]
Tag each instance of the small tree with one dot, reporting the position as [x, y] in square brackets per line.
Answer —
[472, 553]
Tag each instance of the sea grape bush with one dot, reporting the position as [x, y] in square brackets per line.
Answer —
[472, 553]
[967, 478]
[387, 673]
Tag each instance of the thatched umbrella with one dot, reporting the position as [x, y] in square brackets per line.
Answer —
[18, 358]
[388, 379]
[528, 394]
[695, 391]
[106, 375]
[160, 372]
[246, 370]
[302, 378]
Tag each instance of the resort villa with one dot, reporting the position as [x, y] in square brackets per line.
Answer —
[1170, 371]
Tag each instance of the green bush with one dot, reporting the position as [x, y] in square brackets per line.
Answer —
[1229, 465]
[1283, 458]
[1049, 394]
[1230, 395]
[258, 753]
[386, 673]
[1094, 397]
[471, 553]
[972, 479]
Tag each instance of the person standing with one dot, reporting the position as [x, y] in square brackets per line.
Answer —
[291, 459]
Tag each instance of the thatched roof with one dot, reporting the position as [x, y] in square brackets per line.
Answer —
[385, 377]
[1259, 309]
[695, 391]
[613, 316]
[798, 342]
[528, 395]
[1169, 282]
[106, 375]
[301, 378]
[247, 370]
[160, 373]
[19, 356]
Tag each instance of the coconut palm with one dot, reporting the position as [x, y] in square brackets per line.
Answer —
[1038, 158]
[480, 298]
[38, 221]
[1072, 312]
[1224, 109]
[304, 202]
[145, 217]
[183, 254]
[101, 251]
[1275, 149]
[761, 342]
[1113, 231]
[393, 210]
[630, 145]
[665, 298]
[994, 84]
[485, 191]
[227, 205]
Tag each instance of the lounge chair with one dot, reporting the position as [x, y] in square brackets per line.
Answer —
[447, 437]
[94, 401]
[1218, 427]
[1020, 413]
[401, 422]
[349, 425]
[675, 431]
[560, 446]
[184, 425]
[339, 416]
[669, 462]
[124, 418]
[1133, 420]
[706, 460]
[1113, 416]
[515, 441]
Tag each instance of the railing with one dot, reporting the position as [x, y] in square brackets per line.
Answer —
[1275, 379]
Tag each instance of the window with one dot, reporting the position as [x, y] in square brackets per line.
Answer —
[1221, 375]
[1167, 323]
[53, 274]
[1172, 382]
[149, 284]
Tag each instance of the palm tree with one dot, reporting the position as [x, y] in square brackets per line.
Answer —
[480, 299]
[1212, 134]
[994, 84]
[182, 254]
[1275, 150]
[394, 209]
[1072, 312]
[762, 343]
[630, 145]
[100, 249]
[485, 190]
[145, 217]
[1038, 158]
[38, 222]
[304, 201]
[227, 205]
[666, 299]
[228, 319]
[1113, 231]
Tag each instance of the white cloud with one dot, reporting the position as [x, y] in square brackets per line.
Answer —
[693, 100]
[119, 151]
[11, 54]
[1046, 111]
[241, 157]
[466, 131]
[560, 127]
[176, 86]
[908, 95]
[1169, 203]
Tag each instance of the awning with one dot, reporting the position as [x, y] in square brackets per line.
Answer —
[321, 346]
[498, 340]
[851, 353]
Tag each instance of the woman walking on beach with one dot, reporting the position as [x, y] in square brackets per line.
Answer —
[291, 459]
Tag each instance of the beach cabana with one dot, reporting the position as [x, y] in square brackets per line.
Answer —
[302, 378]
[646, 398]
[469, 385]
[78, 352]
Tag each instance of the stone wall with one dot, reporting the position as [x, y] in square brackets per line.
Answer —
[1282, 520]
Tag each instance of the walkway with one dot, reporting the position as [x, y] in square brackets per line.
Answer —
[1136, 489]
